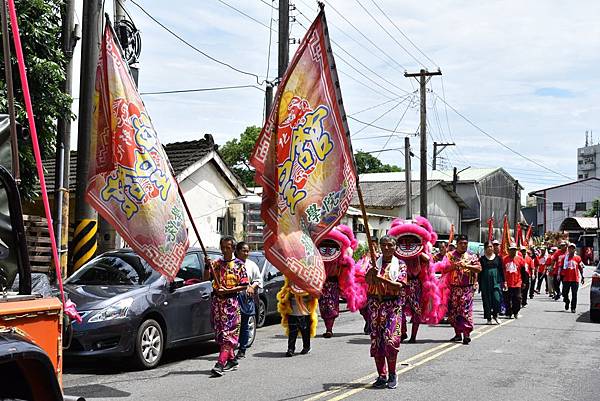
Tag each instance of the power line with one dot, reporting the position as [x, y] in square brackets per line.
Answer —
[396, 127]
[244, 14]
[389, 34]
[403, 34]
[358, 61]
[354, 40]
[218, 88]
[376, 106]
[364, 36]
[270, 5]
[258, 81]
[501, 143]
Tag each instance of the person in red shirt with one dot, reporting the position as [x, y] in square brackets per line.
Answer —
[572, 274]
[540, 265]
[556, 270]
[528, 275]
[514, 271]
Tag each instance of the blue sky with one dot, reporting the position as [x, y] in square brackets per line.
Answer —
[523, 71]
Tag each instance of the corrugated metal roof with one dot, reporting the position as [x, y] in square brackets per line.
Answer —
[383, 194]
[471, 174]
[585, 223]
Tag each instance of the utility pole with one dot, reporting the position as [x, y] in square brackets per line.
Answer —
[268, 99]
[423, 75]
[407, 171]
[69, 38]
[284, 36]
[436, 152]
[84, 239]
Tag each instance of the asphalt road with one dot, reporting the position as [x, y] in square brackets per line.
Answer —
[547, 354]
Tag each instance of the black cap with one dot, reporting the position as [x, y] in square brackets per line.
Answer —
[462, 237]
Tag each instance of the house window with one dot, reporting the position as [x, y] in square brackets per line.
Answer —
[557, 206]
[540, 207]
[580, 207]
[220, 225]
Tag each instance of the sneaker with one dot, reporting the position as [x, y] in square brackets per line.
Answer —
[305, 351]
[381, 382]
[457, 337]
[392, 381]
[403, 337]
[567, 305]
[327, 334]
[241, 354]
[466, 340]
[230, 365]
[489, 321]
[572, 310]
[217, 370]
[412, 340]
[289, 353]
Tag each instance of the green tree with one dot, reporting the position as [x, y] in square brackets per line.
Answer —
[40, 27]
[236, 154]
[594, 210]
[367, 163]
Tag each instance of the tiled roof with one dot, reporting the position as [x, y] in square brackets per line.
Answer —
[181, 155]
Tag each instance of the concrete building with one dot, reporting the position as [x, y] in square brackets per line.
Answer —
[385, 194]
[555, 204]
[486, 192]
[588, 162]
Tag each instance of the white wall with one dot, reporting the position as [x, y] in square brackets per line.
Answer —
[569, 195]
[442, 210]
[208, 194]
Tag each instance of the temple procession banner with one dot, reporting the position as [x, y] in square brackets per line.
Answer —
[130, 181]
[303, 160]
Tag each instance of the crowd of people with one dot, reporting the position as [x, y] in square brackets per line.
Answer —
[398, 278]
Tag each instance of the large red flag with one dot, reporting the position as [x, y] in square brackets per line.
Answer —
[130, 182]
[528, 236]
[303, 160]
[519, 235]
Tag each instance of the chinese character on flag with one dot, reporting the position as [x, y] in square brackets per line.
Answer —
[130, 181]
[304, 162]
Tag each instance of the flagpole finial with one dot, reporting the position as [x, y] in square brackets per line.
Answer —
[321, 5]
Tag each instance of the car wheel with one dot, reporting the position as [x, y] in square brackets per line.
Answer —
[261, 313]
[251, 329]
[595, 315]
[149, 344]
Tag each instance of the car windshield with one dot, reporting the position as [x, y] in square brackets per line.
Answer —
[116, 269]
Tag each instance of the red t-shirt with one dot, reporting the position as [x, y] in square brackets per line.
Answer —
[540, 263]
[512, 271]
[528, 265]
[571, 273]
[555, 261]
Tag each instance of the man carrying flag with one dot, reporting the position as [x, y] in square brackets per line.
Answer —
[304, 162]
[130, 181]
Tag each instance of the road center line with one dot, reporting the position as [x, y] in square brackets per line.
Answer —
[448, 347]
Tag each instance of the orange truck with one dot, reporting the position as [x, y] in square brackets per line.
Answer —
[31, 318]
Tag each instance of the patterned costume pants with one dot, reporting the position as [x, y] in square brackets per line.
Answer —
[460, 309]
[385, 318]
[225, 319]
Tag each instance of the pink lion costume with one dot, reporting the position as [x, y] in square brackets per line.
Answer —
[414, 242]
[336, 250]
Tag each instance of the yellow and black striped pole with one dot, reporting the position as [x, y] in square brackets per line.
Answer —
[84, 242]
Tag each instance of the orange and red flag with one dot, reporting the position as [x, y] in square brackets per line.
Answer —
[505, 243]
[130, 181]
[304, 162]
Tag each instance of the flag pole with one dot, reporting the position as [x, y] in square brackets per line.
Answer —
[365, 221]
[189, 213]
